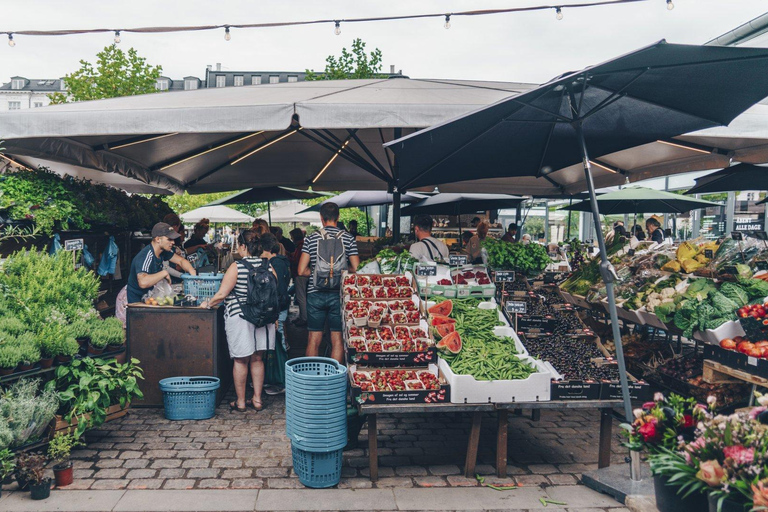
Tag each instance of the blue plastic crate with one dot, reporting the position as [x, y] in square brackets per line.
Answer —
[317, 469]
[203, 286]
[189, 398]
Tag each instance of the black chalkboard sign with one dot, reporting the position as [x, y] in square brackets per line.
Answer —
[517, 307]
[503, 276]
[631, 252]
[74, 244]
[426, 270]
[737, 235]
[709, 253]
[761, 265]
[456, 260]
[760, 235]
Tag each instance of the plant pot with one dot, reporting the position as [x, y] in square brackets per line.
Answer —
[60, 359]
[667, 499]
[113, 348]
[94, 351]
[23, 484]
[40, 491]
[63, 475]
[728, 505]
[7, 371]
[46, 362]
[23, 367]
[83, 341]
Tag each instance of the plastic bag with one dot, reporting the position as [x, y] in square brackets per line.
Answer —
[55, 245]
[161, 291]
[109, 258]
[88, 259]
[121, 304]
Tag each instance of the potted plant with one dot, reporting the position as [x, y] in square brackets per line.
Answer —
[7, 465]
[59, 449]
[66, 348]
[9, 358]
[81, 331]
[29, 352]
[114, 332]
[31, 469]
[98, 341]
[658, 428]
[47, 350]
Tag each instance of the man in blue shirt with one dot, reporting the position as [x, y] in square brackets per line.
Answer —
[147, 266]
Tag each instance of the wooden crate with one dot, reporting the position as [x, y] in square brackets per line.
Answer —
[114, 412]
[716, 373]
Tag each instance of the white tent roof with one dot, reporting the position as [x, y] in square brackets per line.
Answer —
[288, 213]
[221, 214]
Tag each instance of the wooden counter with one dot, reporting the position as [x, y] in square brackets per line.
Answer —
[177, 342]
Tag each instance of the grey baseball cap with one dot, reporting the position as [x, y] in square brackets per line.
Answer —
[163, 229]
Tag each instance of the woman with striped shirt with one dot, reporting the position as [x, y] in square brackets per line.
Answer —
[247, 343]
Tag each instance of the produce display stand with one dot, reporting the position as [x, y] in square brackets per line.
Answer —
[177, 341]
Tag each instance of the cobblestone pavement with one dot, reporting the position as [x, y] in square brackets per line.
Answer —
[250, 451]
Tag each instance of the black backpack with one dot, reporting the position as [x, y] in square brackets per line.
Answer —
[282, 267]
[261, 305]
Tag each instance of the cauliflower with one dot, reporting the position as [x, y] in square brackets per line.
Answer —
[668, 293]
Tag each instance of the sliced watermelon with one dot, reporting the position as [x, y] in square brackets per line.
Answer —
[442, 330]
[442, 308]
[438, 320]
[451, 343]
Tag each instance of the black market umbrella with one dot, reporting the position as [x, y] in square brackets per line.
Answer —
[268, 195]
[736, 177]
[641, 200]
[365, 198]
[655, 93]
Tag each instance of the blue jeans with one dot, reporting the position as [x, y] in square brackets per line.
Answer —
[281, 327]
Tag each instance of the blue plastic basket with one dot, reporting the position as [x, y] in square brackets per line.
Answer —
[317, 447]
[315, 369]
[189, 398]
[203, 286]
[317, 469]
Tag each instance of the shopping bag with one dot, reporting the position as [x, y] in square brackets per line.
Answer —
[88, 258]
[274, 364]
[109, 258]
[55, 245]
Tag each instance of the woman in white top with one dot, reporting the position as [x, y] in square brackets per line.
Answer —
[247, 343]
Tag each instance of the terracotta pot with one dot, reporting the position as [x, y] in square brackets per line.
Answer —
[46, 362]
[63, 359]
[83, 341]
[64, 475]
[94, 351]
[24, 367]
[667, 499]
[40, 491]
[113, 348]
[7, 371]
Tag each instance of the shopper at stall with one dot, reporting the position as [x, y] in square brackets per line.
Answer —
[247, 343]
[147, 265]
[475, 243]
[197, 240]
[427, 248]
[526, 239]
[281, 266]
[261, 227]
[638, 232]
[466, 236]
[278, 232]
[299, 282]
[321, 250]
[655, 234]
[511, 234]
[353, 228]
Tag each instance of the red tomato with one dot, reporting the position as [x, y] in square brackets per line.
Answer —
[755, 352]
[745, 347]
[743, 312]
[761, 311]
[739, 339]
[728, 344]
[762, 343]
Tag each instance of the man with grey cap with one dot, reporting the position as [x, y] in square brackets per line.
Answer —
[147, 266]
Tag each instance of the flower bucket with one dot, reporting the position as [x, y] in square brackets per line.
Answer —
[40, 491]
[667, 499]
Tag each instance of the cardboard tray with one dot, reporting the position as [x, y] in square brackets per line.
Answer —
[392, 359]
[442, 395]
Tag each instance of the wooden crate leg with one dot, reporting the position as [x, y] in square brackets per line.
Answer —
[606, 425]
[502, 424]
[474, 441]
[373, 448]
[535, 414]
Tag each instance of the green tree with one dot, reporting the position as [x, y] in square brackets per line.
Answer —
[185, 203]
[116, 74]
[345, 214]
[350, 65]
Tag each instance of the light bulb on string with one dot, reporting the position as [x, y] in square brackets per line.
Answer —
[227, 35]
[117, 36]
[337, 30]
[447, 21]
[559, 13]
[11, 42]
[670, 5]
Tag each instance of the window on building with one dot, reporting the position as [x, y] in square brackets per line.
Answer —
[38, 104]
[17, 83]
[221, 80]
[273, 79]
[256, 80]
[62, 85]
[162, 84]
[190, 84]
[14, 105]
[238, 80]
[293, 78]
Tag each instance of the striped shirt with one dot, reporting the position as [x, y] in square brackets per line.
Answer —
[241, 287]
[310, 247]
[146, 262]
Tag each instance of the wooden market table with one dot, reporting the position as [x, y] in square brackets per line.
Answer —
[477, 410]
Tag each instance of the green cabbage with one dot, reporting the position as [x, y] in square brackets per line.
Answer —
[736, 293]
[755, 288]
[723, 304]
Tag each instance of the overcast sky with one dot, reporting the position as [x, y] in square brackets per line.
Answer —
[526, 47]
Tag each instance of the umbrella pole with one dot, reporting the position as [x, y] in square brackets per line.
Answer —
[367, 222]
[568, 234]
[396, 216]
[606, 271]
[269, 212]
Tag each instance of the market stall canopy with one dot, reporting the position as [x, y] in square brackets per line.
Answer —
[218, 214]
[455, 204]
[736, 177]
[268, 195]
[362, 198]
[291, 213]
[327, 134]
[641, 200]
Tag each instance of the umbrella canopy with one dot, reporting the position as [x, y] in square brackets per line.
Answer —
[362, 198]
[652, 94]
[641, 200]
[737, 177]
[268, 195]
[290, 213]
[455, 204]
[220, 214]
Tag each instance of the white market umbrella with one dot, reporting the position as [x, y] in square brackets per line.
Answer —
[219, 214]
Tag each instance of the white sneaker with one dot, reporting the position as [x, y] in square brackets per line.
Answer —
[273, 390]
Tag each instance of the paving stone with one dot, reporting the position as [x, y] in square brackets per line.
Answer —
[188, 446]
[355, 483]
[82, 464]
[272, 472]
[461, 481]
[531, 479]
[485, 469]
[392, 482]
[236, 473]
[196, 463]
[80, 474]
[383, 472]
[203, 473]
[560, 479]
[284, 483]
[109, 484]
[247, 483]
[165, 463]
[430, 481]
[172, 473]
[146, 483]
[542, 469]
[159, 454]
[411, 471]
[213, 483]
[136, 463]
[141, 473]
[394, 461]
[81, 484]
[108, 463]
[444, 470]
[110, 473]
[130, 454]
[179, 484]
[226, 463]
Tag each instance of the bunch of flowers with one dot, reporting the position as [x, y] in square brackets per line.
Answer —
[662, 423]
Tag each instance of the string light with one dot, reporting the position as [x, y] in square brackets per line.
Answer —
[11, 42]
[117, 36]
[227, 35]
[670, 5]
[559, 13]
[447, 21]
[337, 30]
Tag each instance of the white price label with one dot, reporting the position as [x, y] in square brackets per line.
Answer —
[752, 361]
